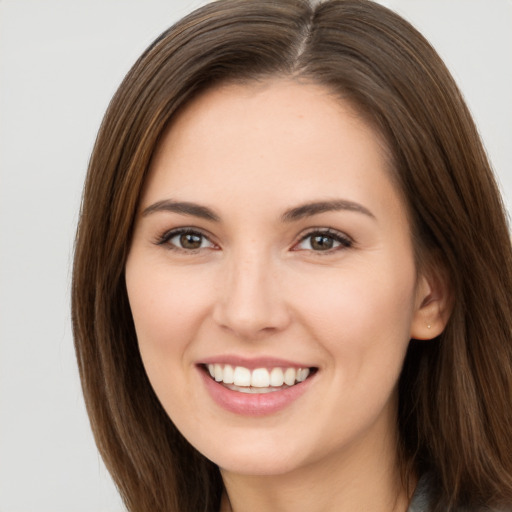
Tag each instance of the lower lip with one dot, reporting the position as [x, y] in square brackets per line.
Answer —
[253, 404]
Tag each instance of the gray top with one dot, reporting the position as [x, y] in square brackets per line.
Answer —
[422, 498]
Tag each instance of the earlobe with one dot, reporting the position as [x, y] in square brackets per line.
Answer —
[433, 306]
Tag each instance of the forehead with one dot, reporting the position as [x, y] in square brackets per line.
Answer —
[230, 106]
[290, 139]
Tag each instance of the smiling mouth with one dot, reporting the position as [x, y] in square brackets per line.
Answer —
[258, 380]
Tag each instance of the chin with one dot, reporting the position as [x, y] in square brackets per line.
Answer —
[265, 458]
[256, 466]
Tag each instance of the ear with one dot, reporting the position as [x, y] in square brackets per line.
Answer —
[434, 304]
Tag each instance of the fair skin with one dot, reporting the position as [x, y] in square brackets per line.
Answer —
[231, 265]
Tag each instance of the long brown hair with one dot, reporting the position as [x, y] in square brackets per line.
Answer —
[455, 393]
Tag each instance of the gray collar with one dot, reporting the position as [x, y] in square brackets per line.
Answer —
[422, 498]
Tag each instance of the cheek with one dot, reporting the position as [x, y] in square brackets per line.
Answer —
[362, 321]
[167, 307]
[362, 312]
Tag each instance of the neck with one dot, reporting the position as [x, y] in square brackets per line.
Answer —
[365, 478]
[271, 494]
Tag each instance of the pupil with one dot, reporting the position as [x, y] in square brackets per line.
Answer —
[322, 243]
[190, 241]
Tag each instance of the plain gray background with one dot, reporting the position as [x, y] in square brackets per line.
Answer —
[60, 62]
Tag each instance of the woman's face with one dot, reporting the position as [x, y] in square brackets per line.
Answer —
[273, 250]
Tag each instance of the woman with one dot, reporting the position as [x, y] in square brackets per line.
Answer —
[293, 271]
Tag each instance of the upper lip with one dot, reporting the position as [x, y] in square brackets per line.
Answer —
[253, 363]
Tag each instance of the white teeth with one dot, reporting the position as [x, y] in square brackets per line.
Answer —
[229, 374]
[302, 374]
[242, 376]
[251, 390]
[261, 378]
[276, 377]
[218, 372]
[289, 376]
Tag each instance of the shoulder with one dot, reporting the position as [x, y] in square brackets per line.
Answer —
[423, 498]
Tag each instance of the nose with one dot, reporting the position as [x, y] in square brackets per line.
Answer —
[251, 302]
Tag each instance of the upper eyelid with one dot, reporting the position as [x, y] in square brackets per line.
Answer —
[345, 241]
[186, 229]
[170, 233]
[325, 231]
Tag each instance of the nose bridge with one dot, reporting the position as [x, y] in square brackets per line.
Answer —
[251, 301]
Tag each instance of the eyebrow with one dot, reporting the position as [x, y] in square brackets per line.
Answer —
[315, 208]
[183, 208]
[293, 214]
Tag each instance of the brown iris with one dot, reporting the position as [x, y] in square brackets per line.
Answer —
[321, 242]
[190, 241]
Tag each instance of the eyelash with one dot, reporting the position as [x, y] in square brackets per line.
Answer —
[344, 241]
[166, 237]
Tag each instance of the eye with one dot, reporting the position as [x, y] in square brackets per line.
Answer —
[323, 241]
[186, 240]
